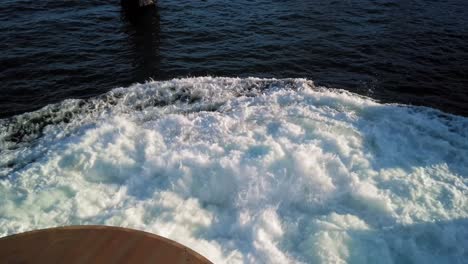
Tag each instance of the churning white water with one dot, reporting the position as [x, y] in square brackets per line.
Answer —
[246, 171]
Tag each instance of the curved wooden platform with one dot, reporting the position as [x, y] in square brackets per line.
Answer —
[94, 244]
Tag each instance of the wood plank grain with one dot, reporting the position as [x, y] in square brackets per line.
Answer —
[94, 244]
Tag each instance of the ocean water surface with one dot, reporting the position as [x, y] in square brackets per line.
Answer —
[411, 52]
[320, 157]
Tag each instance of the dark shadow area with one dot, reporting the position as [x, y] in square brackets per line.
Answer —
[142, 26]
[428, 242]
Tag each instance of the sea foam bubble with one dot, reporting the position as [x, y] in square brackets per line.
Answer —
[245, 171]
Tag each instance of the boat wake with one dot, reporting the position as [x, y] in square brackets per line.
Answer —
[245, 171]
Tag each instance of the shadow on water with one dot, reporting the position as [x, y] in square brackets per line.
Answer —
[143, 29]
[428, 242]
[443, 241]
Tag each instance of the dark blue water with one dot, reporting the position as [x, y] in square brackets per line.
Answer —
[412, 52]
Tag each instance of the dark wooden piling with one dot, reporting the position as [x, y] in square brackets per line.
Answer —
[136, 6]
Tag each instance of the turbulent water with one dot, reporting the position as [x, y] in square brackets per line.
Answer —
[245, 171]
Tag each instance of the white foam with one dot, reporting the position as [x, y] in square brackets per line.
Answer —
[246, 171]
